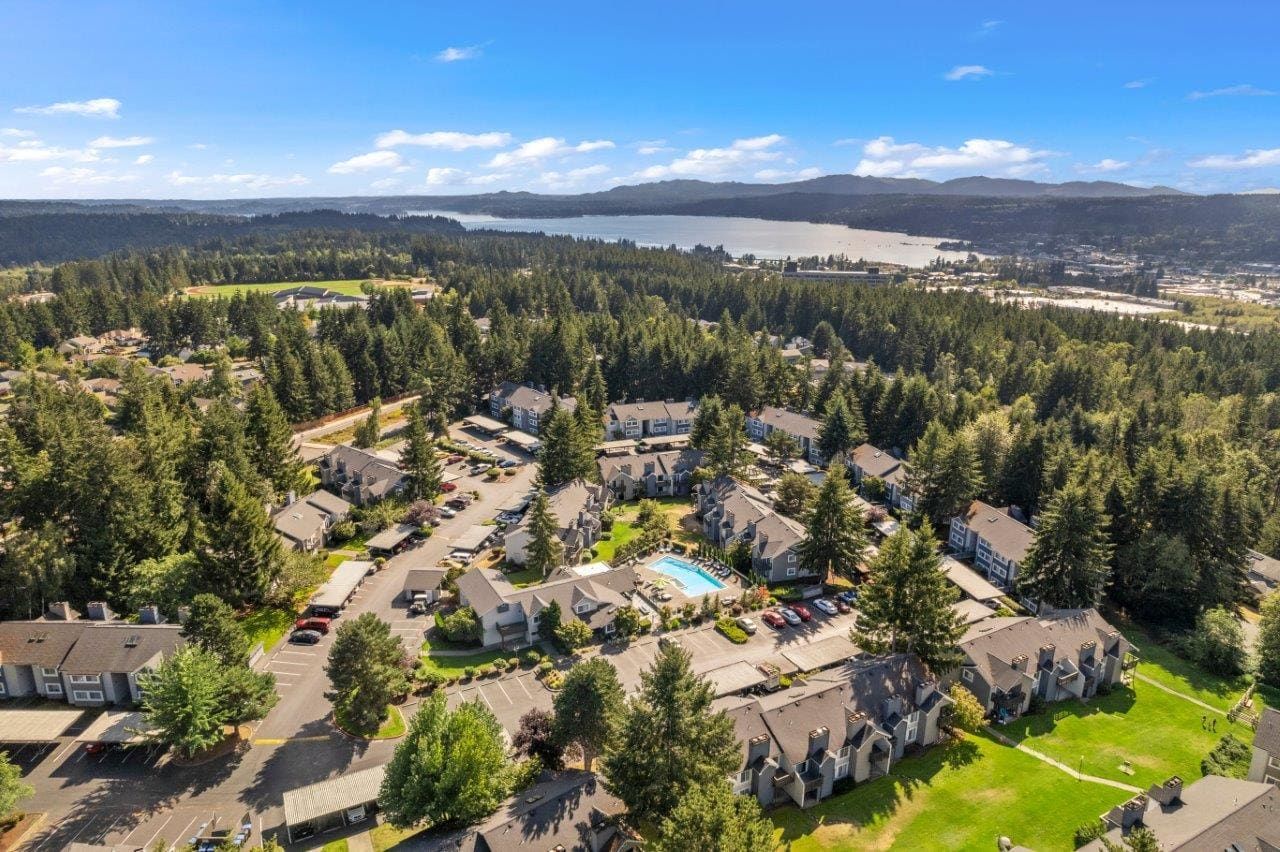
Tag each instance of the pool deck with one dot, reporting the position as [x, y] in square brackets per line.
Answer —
[655, 583]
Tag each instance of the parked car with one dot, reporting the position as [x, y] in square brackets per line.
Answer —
[95, 748]
[848, 596]
[747, 625]
[478, 469]
[446, 487]
[446, 512]
[790, 616]
[773, 619]
[320, 625]
[841, 606]
[803, 611]
[304, 637]
[825, 605]
[669, 641]
[463, 556]
[505, 463]
[419, 605]
[454, 459]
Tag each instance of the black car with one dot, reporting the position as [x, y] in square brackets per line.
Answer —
[304, 637]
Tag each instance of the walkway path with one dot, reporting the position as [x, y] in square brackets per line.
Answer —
[1182, 695]
[1059, 765]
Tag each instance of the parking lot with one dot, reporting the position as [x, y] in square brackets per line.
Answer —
[508, 698]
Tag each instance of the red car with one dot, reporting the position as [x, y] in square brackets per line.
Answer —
[841, 606]
[446, 487]
[454, 459]
[802, 611]
[772, 619]
[315, 622]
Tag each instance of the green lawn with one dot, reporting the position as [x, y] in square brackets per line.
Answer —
[454, 665]
[339, 845]
[524, 578]
[350, 287]
[393, 726]
[387, 836]
[267, 625]
[959, 796]
[621, 533]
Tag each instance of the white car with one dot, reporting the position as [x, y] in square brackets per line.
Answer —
[446, 512]
[825, 605]
[747, 625]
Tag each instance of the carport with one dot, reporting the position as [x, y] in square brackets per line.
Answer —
[734, 678]
[473, 538]
[117, 727]
[35, 726]
[969, 581]
[342, 800]
[523, 440]
[342, 584]
[821, 654]
[391, 539]
[486, 424]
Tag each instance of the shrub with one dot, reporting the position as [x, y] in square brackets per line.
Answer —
[545, 666]
[532, 657]
[462, 626]
[784, 681]
[607, 536]
[673, 623]
[1230, 757]
[343, 531]
[554, 680]
[499, 665]
[967, 713]
[731, 631]
[492, 473]
[469, 672]
[646, 624]
[510, 471]
[1090, 832]
[485, 671]
[431, 678]
[513, 662]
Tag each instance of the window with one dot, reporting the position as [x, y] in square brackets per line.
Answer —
[791, 557]
[49, 672]
[741, 782]
[53, 689]
[1274, 763]
[608, 628]
[85, 679]
[2, 689]
[583, 607]
[791, 571]
[86, 695]
[913, 726]
[503, 607]
[967, 676]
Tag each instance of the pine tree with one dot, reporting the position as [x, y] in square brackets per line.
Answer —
[240, 552]
[271, 447]
[711, 816]
[1268, 643]
[183, 700]
[369, 430]
[1067, 565]
[211, 624]
[418, 459]
[587, 433]
[835, 536]
[944, 475]
[705, 421]
[557, 460]
[906, 604]
[545, 551]
[450, 769]
[668, 739]
[367, 669]
[587, 708]
[842, 430]
[727, 445]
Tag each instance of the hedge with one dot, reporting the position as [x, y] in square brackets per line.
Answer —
[732, 631]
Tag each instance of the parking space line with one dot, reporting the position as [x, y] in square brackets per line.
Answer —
[527, 694]
[104, 834]
[503, 691]
[91, 821]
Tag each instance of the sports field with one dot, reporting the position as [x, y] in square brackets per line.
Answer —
[210, 291]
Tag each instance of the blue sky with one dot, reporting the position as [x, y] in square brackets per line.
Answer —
[240, 99]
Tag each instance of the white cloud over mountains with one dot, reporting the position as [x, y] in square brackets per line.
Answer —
[1256, 158]
[448, 140]
[886, 157]
[536, 150]
[95, 108]
[714, 162]
[368, 162]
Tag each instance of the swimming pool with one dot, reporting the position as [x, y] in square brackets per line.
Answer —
[693, 581]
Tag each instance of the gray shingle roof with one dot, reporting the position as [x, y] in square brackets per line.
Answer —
[991, 645]
[38, 643]
[874, 461]
[667, 463]
[1267, 734]
[652, 410]
[791, 422]
[1010, 537]
[1214, 813]
[120, 647]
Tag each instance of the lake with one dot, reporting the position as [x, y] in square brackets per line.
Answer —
[761, 237]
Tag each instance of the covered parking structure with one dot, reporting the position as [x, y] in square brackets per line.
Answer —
[969, 581]
[117, 727]
[523, 440]
[391, 539]
[474, 538]
[343, 800]
[486, 424]
[22, 725]
[330, 599]
[735, 678]
[821, 654]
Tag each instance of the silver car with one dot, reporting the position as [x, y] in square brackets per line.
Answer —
[789, 615]
[747, 625]
[826, 606]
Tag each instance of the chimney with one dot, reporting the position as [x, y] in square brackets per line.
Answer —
[61, 611]
[291, 498]
[98, 611]
[1131, 812]
[923, 690]
[150, 614]
[1019, 662]
[1168, 793]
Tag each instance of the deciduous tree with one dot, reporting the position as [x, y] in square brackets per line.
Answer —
[711, 816]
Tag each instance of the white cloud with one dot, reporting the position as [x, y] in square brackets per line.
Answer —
[444, 176]
[35, 151]
[1106, 164]
[367, 162]
[885, 157]
[488, 179]
[780, 175]
[1245, 90]
[1136, 84]
[1255, 158]
[649, 147]
[143, 159]
[459, 54]
[96, 108]
[15, 133]
[705, 162]
[81, 176]
[540, 149]
[198, 146]
[573, 178]
[988, 27]
[449, 140]
[251, 181]
[121, 141]
[968, 72]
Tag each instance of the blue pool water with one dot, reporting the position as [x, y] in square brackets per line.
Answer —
[692, 580]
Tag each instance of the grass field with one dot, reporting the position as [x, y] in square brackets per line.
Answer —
[267, 626]
[1213, 311]
[211, 291]
[960, 796]
[455, 665]
[621, 533]
[964, 800]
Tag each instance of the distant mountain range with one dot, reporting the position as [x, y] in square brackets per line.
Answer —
[658, 197]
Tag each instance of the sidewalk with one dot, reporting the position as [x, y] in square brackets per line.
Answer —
[1059, 765]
